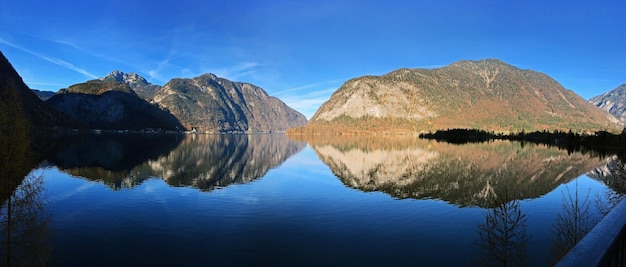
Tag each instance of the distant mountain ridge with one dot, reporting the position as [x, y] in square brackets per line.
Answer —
[613, 102]
[43, 95]
[486, 94]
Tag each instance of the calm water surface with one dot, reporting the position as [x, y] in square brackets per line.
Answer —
[265, 200]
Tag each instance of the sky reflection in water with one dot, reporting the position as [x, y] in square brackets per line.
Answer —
[300, 210]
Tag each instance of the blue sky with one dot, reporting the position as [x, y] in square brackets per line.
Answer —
[302, 51]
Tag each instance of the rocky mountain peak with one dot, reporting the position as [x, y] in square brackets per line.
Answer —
[615, 94]
[137, 83]
[613, 101]
[132, 79]
[207, 76]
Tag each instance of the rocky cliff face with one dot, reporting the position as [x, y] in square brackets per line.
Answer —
[139, 84]
[613, 102]
[111, 106]
[486, 94]
[213, 104]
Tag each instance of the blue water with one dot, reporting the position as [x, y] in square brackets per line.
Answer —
[296, 214]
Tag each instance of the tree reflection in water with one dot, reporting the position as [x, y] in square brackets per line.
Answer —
[503, 239]
[572, 224]
[575, 219]
[24, 225]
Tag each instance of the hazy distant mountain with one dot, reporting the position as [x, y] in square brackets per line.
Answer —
[16, 97]
[213, 104]
[43, 95]
[613, 101]
[485, 94]
[139, 84]
[112, 106]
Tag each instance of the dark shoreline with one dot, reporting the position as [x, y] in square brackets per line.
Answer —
[601, 143]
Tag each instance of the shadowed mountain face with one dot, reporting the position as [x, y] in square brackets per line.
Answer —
[613, 102]
[17, 157]
[486, 94]
[111, 106]
[15, 94]
[213, 104]
[465, 175]
[203, 161]
[111, 152]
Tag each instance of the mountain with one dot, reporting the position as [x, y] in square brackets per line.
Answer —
[464, 175]
[43, 95]
[486, 94]
[17, 101]
[111, 106]
[209, 103]
[97, 87]
[205, 162]
[139, 84]
[613, 102]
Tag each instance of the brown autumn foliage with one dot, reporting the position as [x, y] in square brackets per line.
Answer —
[486, 95]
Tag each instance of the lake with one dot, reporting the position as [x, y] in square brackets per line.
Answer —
[267, 200]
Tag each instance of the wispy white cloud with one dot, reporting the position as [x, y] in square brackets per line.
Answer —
[53, 60]
[73, 45]
[308, 98]
[307, 103]
[155, 73]
[235, 71]
[72, 191]
[309, 86]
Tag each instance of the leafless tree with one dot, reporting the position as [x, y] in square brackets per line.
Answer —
[503, 239]
[572, 224]
[24, 225]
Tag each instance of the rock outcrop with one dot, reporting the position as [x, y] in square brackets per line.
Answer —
[613, 102]
[211, 104]
[140, 85]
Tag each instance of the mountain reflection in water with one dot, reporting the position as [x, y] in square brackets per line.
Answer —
[465, 175]
[200, 161]
[498, 203]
